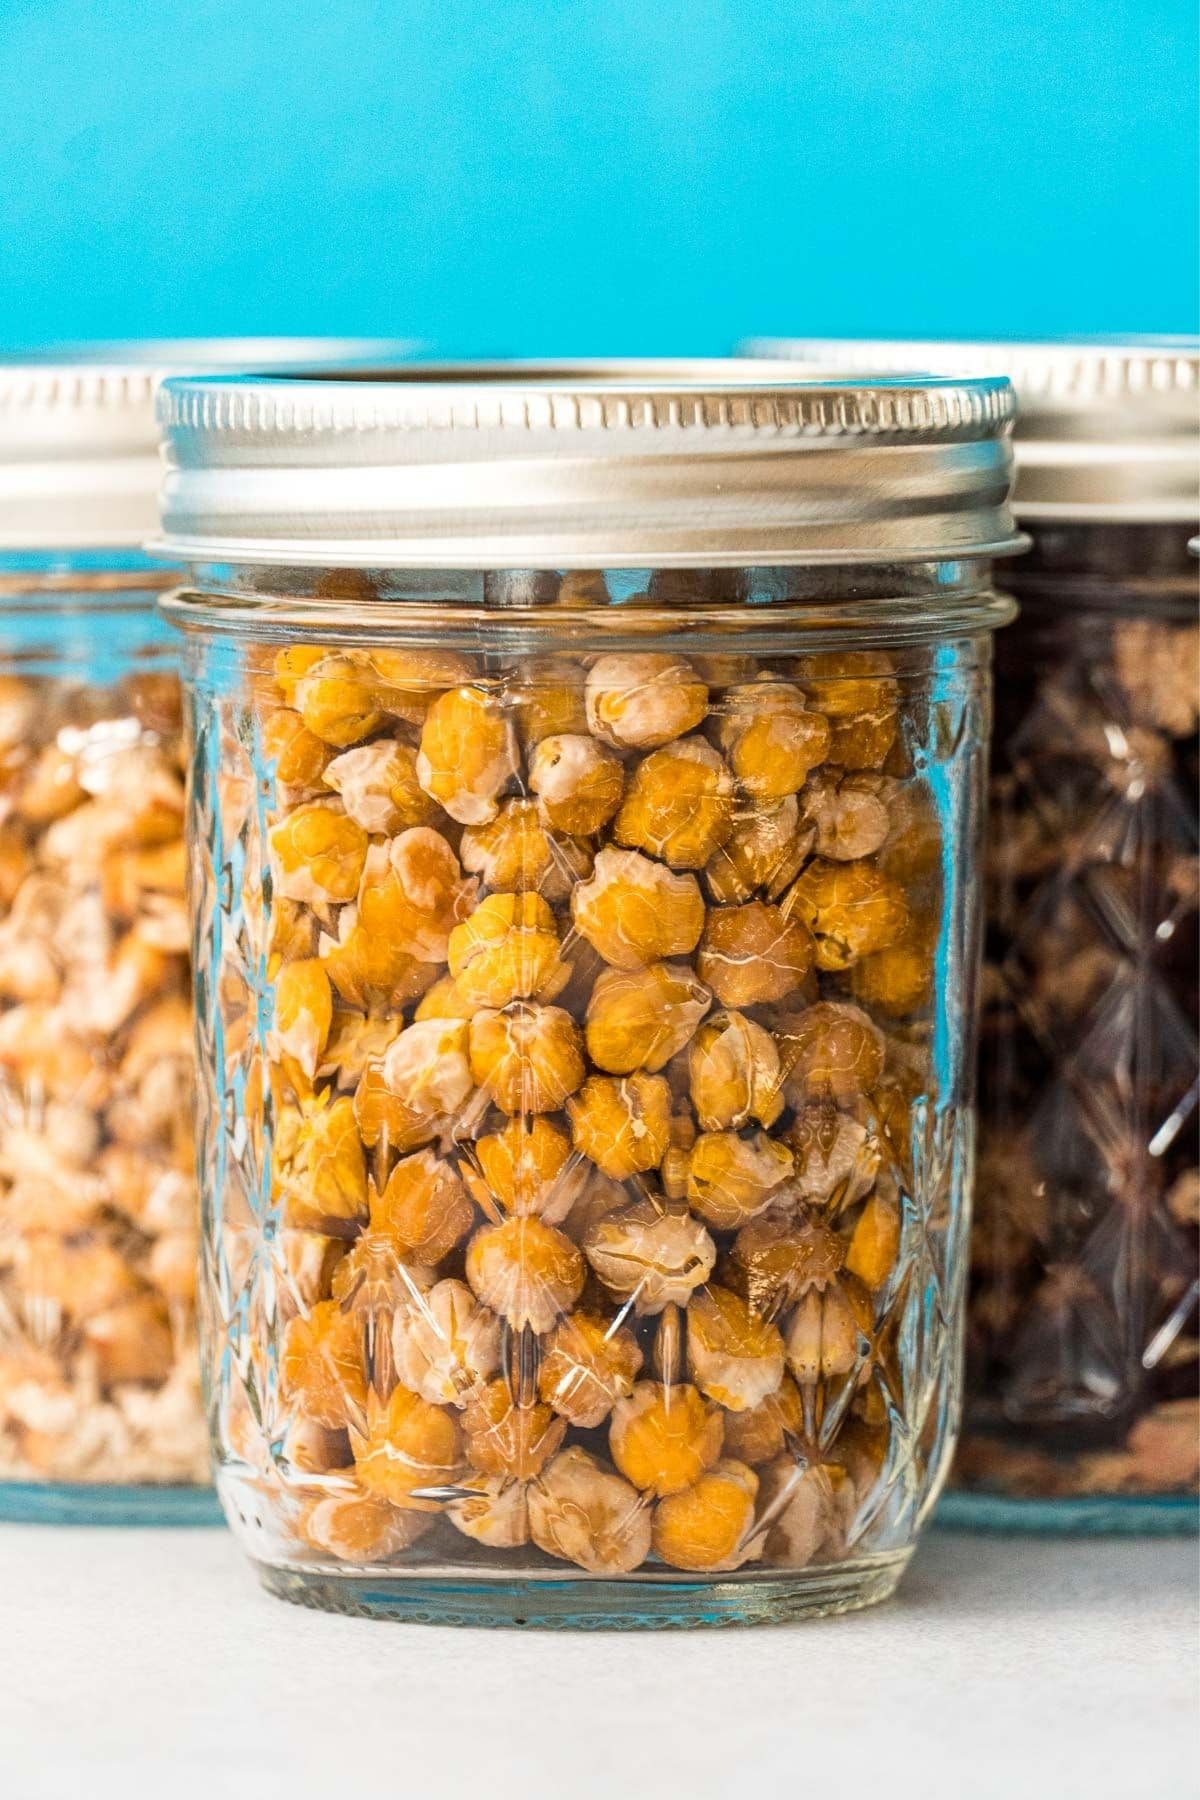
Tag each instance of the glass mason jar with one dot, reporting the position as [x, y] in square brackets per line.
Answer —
[1084, 1328]
[100, 1410]
[585, 814]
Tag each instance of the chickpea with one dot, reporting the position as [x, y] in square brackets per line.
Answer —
[710, 1525]
[492, 1510]
[640, 701]
[320, 1169]
[578, 784]
[526, 1271]
[679, 805]
[423, 1209]
[583, 1512]
[622, 1123]
[549, 700]
[360, 1528]
[427, 1067]
[771, 738]
[468, 754]
[836, 1159]
[734, 1073]
[322, 1369]
[507, 950]
[641, 1018]
[525, 1170]
[762, 1433]
[634, 911]
[651, 1254]
[303, 1014]
[528, 1057]
[662, 1438]
[336, 702]
[588, 1364]
[764, 852]
[850, 908]
[377, 784]
[830, 1051]
[298, 756]
[731, 1178]
[318, 854]
[507, 1437]
[735, 1357]
[409, 1446]
[515, 853]
[875, 1243]
[753, 953]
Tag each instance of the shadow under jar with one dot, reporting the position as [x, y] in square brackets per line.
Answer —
[585, 818]
[1083, 1324]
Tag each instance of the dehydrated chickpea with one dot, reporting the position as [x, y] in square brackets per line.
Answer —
[303, 1013]
[583, 1512]
[829, 1052]
[588, 1364]
[777, 1257]
[641, 1018]
[762, 1433]
[763, 851]
[444, 1000]
[407, 681]
[731, 1178]
[317, 854]
[297, 755]
[414, 893]
[875, 1242]
[549, 699]
[622, 1123]
[753, 953]
[468, 753]
[528, 1057]
[771, 738]
[858, 695]
[710, 1525]
[848, 815]
[427, 1067]
[423, 1208]
[826, 1330]
[896, 981]
[734, 1073]
[578, 783]
[850, 908]
[836, 1158]
[734, 1357]
[663, 1438]
[508, 1437]
[383, 1118]
[320, 1168]
[336, 700]
[515, 853]
[377, 784]
[355, 1041]
[492, 1510]
[524, 1170]
[635, 911]
[679, 805]
[796, 1506]
[506, 950]
[526, 1271]
[409, 1446]
[376, 1277]
[639, 701]
[322, 1368]
[650, 1253]
[360, 1528]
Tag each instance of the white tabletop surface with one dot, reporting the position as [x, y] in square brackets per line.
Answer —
[140, 1664]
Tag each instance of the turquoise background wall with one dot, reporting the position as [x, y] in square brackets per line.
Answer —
[569, 176]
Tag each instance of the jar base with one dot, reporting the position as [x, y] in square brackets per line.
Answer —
[102, 1503]
[550, 1604]
[1073, 1515]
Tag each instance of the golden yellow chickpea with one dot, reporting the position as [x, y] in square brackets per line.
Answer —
[414, 893]
[857, 693]
[423, 1209]
[444, 1000]
[731, 1178]
[377, 784]
[320, 1169]
[292, 664]
[515, 854]
[851, 910]
[322, 1367]
[529, 1058]
[734, 1357]
[303, 1014]
[588, 1364]
[409, 1446]
[468, 754]
[710, 1525]
[336, 701]
[734, 1073]
[383, 1119]
[623, 1123]
[639, 701]
[896, 981]
[506, 950]
[508, 1437]
[375, 1278]
[754, 953]
[829, 1051]
[524, 1169]
[583, 1512]
[526, 1271]
[408, 681]
[318, 854]
[762, 1433]
[297, 755]
[679, 805]
[663, 1438]
[875, 1242]
[764, 852]
[641, 1018]
[634, 911]
[651, 1253]
[360, 1528]
[771, 738]
[578, 783]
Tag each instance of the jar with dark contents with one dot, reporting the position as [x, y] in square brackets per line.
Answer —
[586, 804]
[100, 1409]
[1082, 1378]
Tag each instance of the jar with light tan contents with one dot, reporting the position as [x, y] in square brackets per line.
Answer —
[585, 808]
[100, 1409]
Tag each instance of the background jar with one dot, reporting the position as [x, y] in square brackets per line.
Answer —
[100, 1413]
[586, 806]
[1083, 1410]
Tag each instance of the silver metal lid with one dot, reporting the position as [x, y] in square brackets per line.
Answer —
[1106, 430]
[79, 464]
[584, 466]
